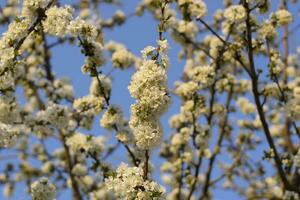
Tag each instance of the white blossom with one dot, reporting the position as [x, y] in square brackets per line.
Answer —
[58, 20]
[80, 143]
[56, 115]
[190, 29]
[112, 117]
[235, 13]
[283, 17]
[149, 87]
[122, 58]
[8, 135]
[42, 190]
[204, 75]
[128, 183]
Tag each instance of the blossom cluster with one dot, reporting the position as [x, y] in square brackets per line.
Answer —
[43, 190]
[149, 87]
[121, 57]
[128, 183]
[80, 143]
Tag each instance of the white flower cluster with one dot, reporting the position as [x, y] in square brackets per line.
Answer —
[90, 43]
[181, 138]
[245, 105]
[8, 135]
[85, 144]
[128, 183]
[204, 75]
[149, 87]
[293, 109]
[7, 79]
[97, 90]
[203, 136]
[235, 13]
[283, 17]
[16, 30]
[147, 51]
[42, 190]
[64, 89]
[31, 6]
[57, 20]
[89, 104]
[38, 126]
[81, 28]
[197, 8]
[9, 110]
[215, 44]
[296, 92]
[163, 48]
[276, 64]
[190, 29]
[79, 170]
[186, 90]
[267, 30]
[35, 4]
[102, 193]
[111, 117]
[93, 51]
[121, 57]
[124, 134]
[55, 115]
[119, 17]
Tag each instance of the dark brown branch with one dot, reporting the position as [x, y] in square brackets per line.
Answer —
[75, 187]
[38, 21]
[254, 80]
[135, 160]
[181, 176]
[146, 165]
[48, 67]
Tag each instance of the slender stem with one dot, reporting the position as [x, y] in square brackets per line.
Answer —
[146, 165]
[75, 188]
[38, 21]
[49, 74]
[195, 180]
[213, 31]
[218, 146]
[135, 160]
[181, 176]
[161, 30]
[254, 80]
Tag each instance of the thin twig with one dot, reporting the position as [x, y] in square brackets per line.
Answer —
[254, 80]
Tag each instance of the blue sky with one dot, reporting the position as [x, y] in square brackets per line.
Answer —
[137, 33]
